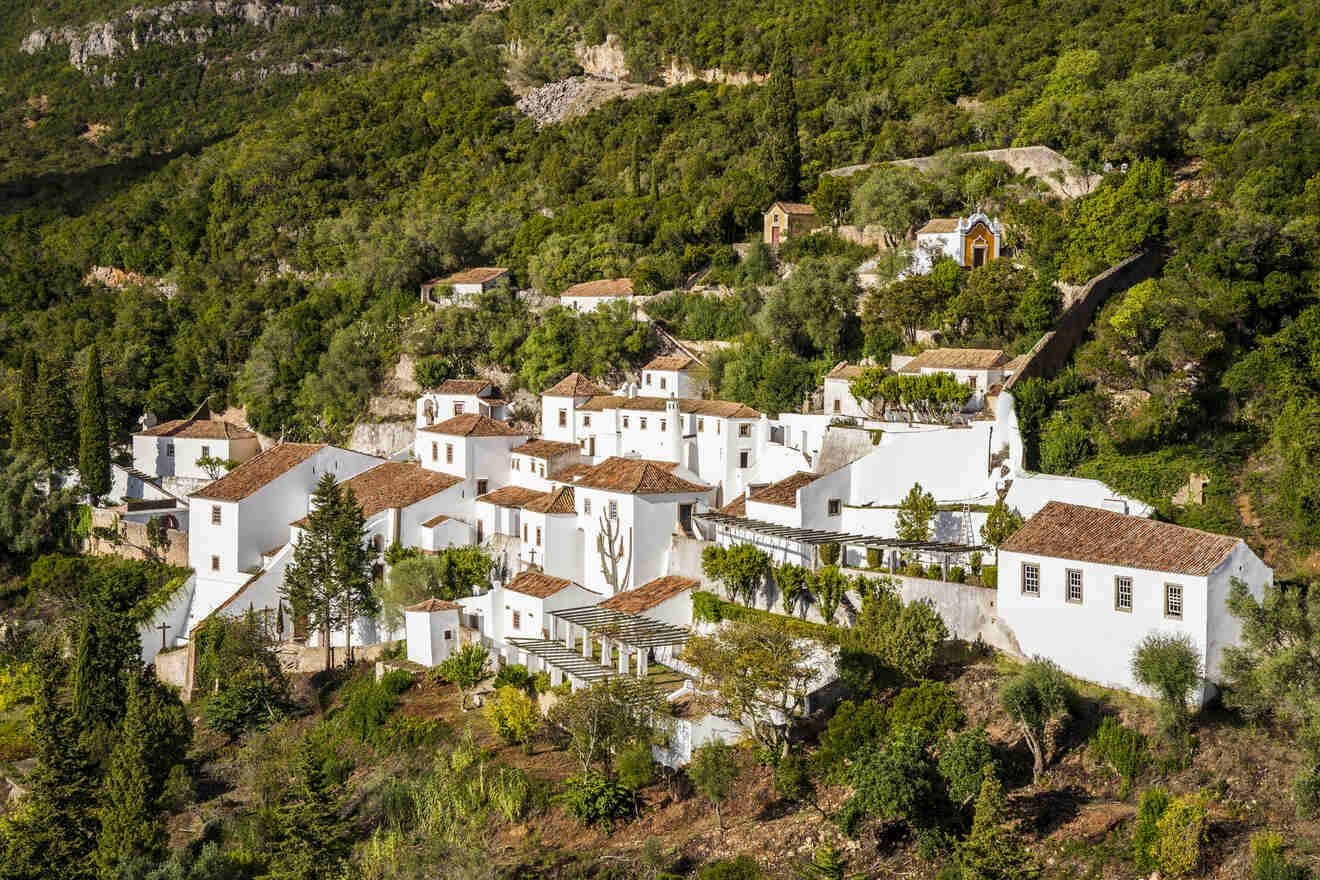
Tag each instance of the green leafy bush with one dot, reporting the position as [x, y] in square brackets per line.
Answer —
[975, 562]
[513, 715]
[409, 732]
[595, 800]
[915, 569]
[367, 704]
[742, 867]
[792, 780]
[990, 576]
[15, 744]
[514, 675]
[1146, 830]
[962, 762]
[1268, 862]
[931, 708]
[935, 572]
[829, 553]
[873, 557]
[958, 574]
[1121, 748]
[853, 727]
[1183, 828]
[253, 702]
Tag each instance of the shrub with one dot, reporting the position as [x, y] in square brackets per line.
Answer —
[958, 574]
[990, 576]
[713, 771]
[250, 702]
[1123, 749]
[792, 781]
[15, 745]
[853, 727]
[430, 372]
[1182, 833]
[595, 800]
[1034, 697]
[829, 554]
[514, 716]
[1146, 832]
[636, 767]
[410, 732]
[1170, 665]
[935, 572]
[976, 562]
[873, 557]
[367, 704]
[930, 708]
[514, 675]
[541, 682]
[962, 763]
[915, 569]
[743, 867]
[1268, 862]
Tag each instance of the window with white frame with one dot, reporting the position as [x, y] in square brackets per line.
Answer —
[832, 507]
[648, 378]
[449, 453]
[614, 510]
[563, 418]
[744, 459]
[744, 430]
[206, 452]
[1030, 579]
[625, 421]
[1073, 587]
[586, 421]
[701, 426]
[435, 452]
[458, 407]
[642, 421]
[517, 463]
[215, 563]
[215, 514]
[662, 424]
[1122, 593]
[586, 507]
[662, 383]
[169, 450]
[1173, 601]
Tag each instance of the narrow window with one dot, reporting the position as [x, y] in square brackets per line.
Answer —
[717, 427]
[643, 422]
[206, 452]
[744, 430]
[662, 424]
[586, 507]
[1173, 601]
[586, 421]
[836, 404]
[458, 408]
[169, 450]
[648, 378]
[449, 634]
[563, 418]
[215, 514]
[449, 453]
[743, 458]
[625, 421]
[614, 510]
[1030, 579]
[1074, 586]
[832, 507]
[215, 563]
[517, 620]
[524, 533]
[662, 383]
[538, 536]
[435, 452]
[481, 486]
[1122, 593]
[517, 464]
[701, 426]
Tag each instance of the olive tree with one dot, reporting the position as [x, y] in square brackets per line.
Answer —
[1033, 698]
[1168, 664]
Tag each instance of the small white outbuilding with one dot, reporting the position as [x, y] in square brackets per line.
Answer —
[433, 631]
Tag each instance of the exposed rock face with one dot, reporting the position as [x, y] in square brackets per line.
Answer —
[183, 21]
[575, 96]
[678, 74]
[606, 60]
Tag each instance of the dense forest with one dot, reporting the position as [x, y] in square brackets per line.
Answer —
[276, 224]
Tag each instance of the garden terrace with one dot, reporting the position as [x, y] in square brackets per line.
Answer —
[821, 536]
[633, 630]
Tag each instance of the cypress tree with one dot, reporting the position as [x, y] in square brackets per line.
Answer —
[310, 582]
[130, 823]
[54, 418]
[783, 157]
[636, 168]
[22, 424]
[94, 433]
[994, 850]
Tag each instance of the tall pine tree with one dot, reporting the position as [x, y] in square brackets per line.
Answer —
[54, 419]
[783, 153]
[94, 433]
[354, 567]
[130, 821]
[994, 849]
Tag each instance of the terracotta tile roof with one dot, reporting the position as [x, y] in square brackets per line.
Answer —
[956, 359]
[435, 521]
[939, 226]
[793, 208]
[736, 507]
[396, 484]
[672, 362]
[637, 476]
[1090, 534]
[558, 501]
[1016, 363]
[784, 493]
[570, 473]
[534, 583]
[200, 429]
[258, 471]
[728, 409]
[604, 287]
[647, 596]
[479, 275]
[845, 370]
[472, 425]
[512, 496]
[546, 449]
[574, 385]
[468, 386]
[430, 605]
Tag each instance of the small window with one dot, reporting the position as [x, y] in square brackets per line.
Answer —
[481, 486]
[435, 452]
[744, 458]
[832, 507]
[1074, 594]
[378, 542]
[517, 620]
[717, 427]
[586, 507]
[449, 635]
[538, 536]
[206, 452]
[625, 421]
[1030, 579]
[563, 418]
[614, 510]
[662, 424]
[543, 470]
[662, 383]
[169, 450]
[215, 563]
[524, 533]
[701, 426]
[836, 404]
[648, 378]
[458, 407]
[1122, 593]
[449, 453]
[642, 420]
[215, 514]
[1173, 601]
[517, 463]
[744, 430]
[586, 421]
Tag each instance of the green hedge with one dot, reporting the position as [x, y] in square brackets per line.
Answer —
[712, 609]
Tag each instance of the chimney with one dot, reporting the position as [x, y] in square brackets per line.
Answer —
[675, 426]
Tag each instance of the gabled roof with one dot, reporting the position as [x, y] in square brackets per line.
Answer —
[793, 208]
[396, 484]
[468, 387]
[845, 370]
[637, 476]
[728, 409]
[649, 595]
[258, 471]
[604, 287]
[546, 449]
[784, 493]
[1090, 534]
[472, 425]
[570, 473]
[558, 501]
[479, 275]
[956, 359]
[672, 362]
[512, 496]
[199, 429]
[431, 605]
[574, 385]
[736, 507]
[537, 584]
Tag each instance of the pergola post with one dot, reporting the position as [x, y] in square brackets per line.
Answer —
[623, 659]
[642, 670]
[586, 645]
[605, 652]
[556, 676]
[568, 635]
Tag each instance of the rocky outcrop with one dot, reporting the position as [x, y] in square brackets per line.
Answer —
[606, 61]
[382, 438]
[177, 23]
[575, 96]
[678, 74]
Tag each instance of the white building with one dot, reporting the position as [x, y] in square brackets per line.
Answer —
[521, 609]
[462, 287]
[590, 295]
[674, 376]
[667, 599]
[398, 499]
[970, 242]
[172, 449]
[474, 448]
[533, 529]
[983, 370]
[628, 510]
[532, 464]
[1082, 586]
[241, 522]
[433, 631]
[456, 397]
[839, 400]
[559, 406]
